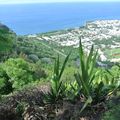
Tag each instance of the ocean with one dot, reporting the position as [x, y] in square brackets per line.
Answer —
[45, 17]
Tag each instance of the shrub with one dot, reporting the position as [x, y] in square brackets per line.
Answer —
[112, 114]
[16, 73]
[7, 41]
[5, 85]
[19, 72]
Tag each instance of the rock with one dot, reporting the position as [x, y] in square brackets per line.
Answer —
[46, 60]
[77, 62]
[33, 57]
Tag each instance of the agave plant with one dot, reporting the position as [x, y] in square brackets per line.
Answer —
[86, 75]
[94, 89]
[57, 91]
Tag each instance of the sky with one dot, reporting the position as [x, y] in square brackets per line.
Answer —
[42, 1]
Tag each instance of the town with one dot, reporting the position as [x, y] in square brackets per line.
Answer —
[103, 34]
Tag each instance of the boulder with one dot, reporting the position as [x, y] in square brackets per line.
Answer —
[33, 57]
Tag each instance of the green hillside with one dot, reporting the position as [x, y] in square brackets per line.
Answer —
[40, 79]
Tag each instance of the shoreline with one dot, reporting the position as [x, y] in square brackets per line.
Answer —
[103, 34]
[70, 28]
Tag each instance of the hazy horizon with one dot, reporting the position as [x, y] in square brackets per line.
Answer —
[50, 1]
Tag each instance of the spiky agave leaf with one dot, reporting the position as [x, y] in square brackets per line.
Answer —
[85, 77]
[57, 85]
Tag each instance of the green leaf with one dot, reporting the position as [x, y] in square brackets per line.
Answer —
[89, 101]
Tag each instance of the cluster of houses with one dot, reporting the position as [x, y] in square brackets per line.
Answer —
[90, 33]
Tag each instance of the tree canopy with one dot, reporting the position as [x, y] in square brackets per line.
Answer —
[7, 39]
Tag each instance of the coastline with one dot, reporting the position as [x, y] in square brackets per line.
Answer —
[103, 34]
[70, 28]
[41, 18]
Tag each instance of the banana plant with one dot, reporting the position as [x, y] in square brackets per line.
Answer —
[57, 91]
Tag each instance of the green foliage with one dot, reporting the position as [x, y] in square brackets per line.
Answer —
[43, 48]
[16, 73]
[20, 109]
[112, 114]
[7, 40]
[5, 85]
[115, 70]
[94, 85]
[85, 77]
[107, 82]
[57, 91]
[71, 90]
[19, 72]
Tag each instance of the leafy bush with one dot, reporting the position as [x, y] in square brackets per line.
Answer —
[7, 40]
[105, 84]
[112, 114]
[19, 72]
[5, 85]
[15, 73]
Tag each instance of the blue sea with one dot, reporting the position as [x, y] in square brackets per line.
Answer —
[44, 17]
